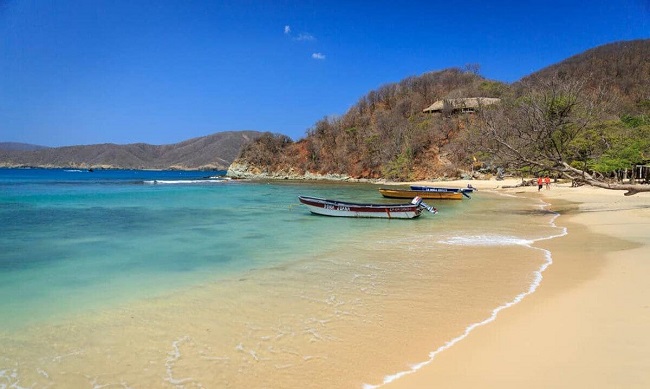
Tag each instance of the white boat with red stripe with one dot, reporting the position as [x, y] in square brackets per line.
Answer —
[326, 207]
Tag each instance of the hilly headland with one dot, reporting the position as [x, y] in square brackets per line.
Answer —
[212, 152]
[590, 111]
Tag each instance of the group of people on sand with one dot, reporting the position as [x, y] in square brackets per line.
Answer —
[543, 181]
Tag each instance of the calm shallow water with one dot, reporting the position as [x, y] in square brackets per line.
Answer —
[108, 278]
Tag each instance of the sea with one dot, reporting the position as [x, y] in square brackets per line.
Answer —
[186, 279]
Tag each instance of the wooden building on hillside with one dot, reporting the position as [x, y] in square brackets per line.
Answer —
[462, 105]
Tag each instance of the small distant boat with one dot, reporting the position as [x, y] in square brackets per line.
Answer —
[202, 181]
[464, 191]
[425, 194]
[346, 209]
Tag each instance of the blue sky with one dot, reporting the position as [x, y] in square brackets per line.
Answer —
[126, 71]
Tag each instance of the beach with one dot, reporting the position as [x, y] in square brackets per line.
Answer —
[137, 285]
[109, 280]
[585, 325]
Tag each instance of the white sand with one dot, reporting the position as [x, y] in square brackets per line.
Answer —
[586, 326]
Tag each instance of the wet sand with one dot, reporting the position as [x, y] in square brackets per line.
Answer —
[587, 323]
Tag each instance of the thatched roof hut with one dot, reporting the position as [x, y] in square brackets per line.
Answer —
[466, 104]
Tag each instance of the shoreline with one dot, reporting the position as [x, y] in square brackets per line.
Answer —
[313, 320]
[585, 325]
[229, 332]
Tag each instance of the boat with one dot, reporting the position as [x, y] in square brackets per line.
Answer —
[326, 207]
[464, 191]
[396, 193]
[468, 189]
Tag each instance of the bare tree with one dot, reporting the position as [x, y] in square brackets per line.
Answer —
[473, 68]
[539, 128]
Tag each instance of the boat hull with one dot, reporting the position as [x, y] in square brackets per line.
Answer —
[345, 209]
[441, 189]
[425, 194]
[464, 191]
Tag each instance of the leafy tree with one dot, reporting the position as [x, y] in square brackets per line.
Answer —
[628, 143]
[549, 126]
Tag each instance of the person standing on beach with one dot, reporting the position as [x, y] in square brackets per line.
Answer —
[540, 183]
[547, 181]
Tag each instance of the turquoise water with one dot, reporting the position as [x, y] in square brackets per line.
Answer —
[75, 240]
[161, 279]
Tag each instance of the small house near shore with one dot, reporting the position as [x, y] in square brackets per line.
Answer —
[462, 105]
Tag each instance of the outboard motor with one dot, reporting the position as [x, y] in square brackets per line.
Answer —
[417, 200]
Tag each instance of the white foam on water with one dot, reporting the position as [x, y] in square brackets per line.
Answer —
[58, 358]
[489, 240]
[96, 385]
[42, 372]
[252, 353]
[9, 379]
[172, 357]
[486, 240]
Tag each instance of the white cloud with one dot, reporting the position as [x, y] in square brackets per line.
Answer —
[303, 36]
